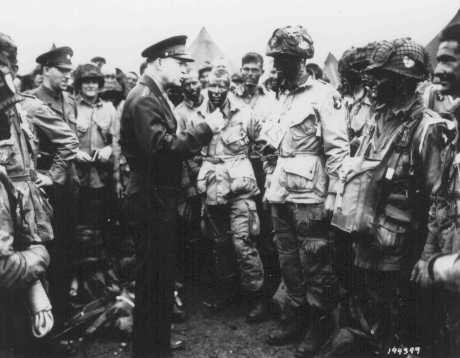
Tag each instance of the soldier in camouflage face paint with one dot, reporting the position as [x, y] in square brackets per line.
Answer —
[310, 138]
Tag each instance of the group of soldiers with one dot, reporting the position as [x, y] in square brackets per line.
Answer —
[346, 196]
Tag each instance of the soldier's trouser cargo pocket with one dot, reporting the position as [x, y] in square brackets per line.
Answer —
[237, 217]
[301, 236]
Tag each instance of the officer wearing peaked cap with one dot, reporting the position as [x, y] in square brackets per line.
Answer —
[57, 65]
[155, 153]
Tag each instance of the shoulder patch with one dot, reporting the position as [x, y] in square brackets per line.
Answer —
[337, 99]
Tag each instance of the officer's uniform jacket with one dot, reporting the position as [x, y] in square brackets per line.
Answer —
[407, 186]
[149, 141]
[18, 155]
[95, 124]
[226, 173]
[310, 136]
[64, 106]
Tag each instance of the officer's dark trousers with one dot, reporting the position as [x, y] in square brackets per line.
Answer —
[64, 200]
[154, 226]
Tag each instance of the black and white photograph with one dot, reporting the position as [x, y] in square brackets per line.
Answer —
[229, 179]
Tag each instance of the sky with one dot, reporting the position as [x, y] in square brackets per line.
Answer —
[120, 29]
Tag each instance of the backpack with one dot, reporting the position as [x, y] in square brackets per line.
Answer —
[360, 192]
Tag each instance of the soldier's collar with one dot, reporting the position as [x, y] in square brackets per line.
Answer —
[406, 106]
[306, 83]
[83, 100]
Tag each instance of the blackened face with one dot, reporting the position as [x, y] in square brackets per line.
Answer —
[251, 73]
[288, 67]
[382, 86]
[217, 90]
[192, 88]
[448, 69]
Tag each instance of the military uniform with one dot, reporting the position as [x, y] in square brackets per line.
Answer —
[155, 153]
[190, 248]
[310, 128]
[19, 269]
[95, 131]
[406, 141]
[263, 107]
[63, 194]
[227, 181]
[310, 136]
[445, 105]
[24, 218]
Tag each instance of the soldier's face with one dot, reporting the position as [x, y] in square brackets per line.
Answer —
[192, 88]
[204, 78]
[218, 89]
[90, 88]
[131, 80]
[173, 69]
[448, 69]
[251, 73]
[381, 86]
[58, 78]
[287, 66]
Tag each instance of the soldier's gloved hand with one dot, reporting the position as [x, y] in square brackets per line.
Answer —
[83, 157]
[420, 274]
[43, 180]
[103, 155]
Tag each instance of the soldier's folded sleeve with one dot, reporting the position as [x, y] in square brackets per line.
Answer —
[335, 138]
[58, 133]
[23, 267]
[153, 137]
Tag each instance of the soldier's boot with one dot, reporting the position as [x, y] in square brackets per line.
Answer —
[340, 344]
[320, 329]
[258, 310]
[225, 293]
[291, 327]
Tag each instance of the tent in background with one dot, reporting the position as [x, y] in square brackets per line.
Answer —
[331, 70]
[432, 46]
[203, 49]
